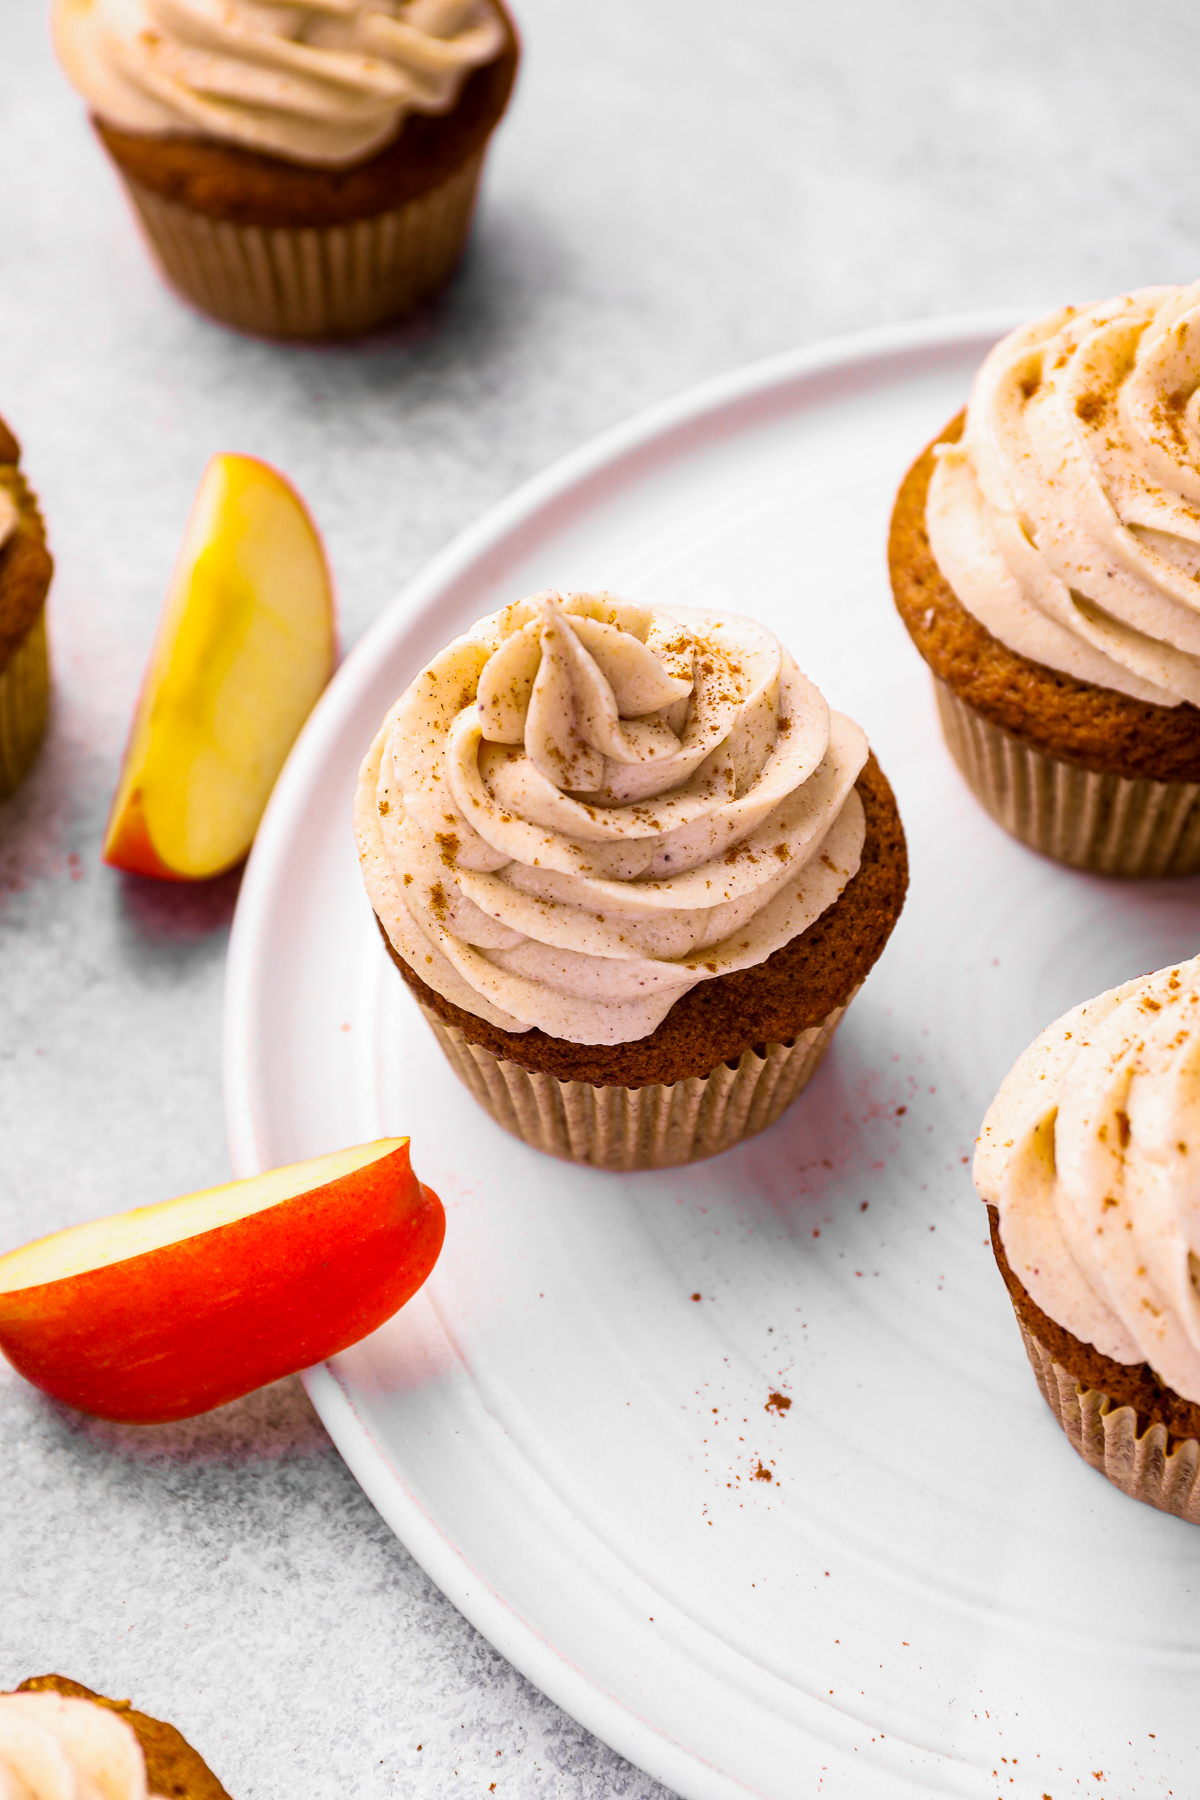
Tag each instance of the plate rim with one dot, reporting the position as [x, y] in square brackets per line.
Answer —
[644, 1744]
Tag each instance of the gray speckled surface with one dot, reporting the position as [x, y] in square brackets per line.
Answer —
[679, 187]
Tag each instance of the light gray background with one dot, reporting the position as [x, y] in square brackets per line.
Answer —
[679, 187]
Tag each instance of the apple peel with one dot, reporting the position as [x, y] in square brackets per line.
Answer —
[169, 1310]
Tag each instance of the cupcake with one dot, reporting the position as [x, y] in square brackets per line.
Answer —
[632, 868]
[58, 1738]
[307, 170]
[25, 571]
[1045, 553]
[1087, 1163]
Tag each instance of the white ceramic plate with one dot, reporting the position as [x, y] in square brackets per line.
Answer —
[930, 1594]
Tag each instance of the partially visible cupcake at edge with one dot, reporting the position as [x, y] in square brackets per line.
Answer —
[1089, 1163]
[632, 867]
[1045, 557]
[306, 169]
[25, 571]
[59, 1740]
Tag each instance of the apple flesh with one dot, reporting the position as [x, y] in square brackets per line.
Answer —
[245, 644]
[169, 1310]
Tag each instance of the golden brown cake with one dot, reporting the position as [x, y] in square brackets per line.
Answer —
[345, 202]
[794, 991]
[1121, 1384]
[25, 571]
[248, 188]
[632, 869]
[1075, 721]
[1084, 1163]
[1064, 641]
[174, 1770]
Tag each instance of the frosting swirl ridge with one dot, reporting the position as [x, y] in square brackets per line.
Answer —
[1067, 517]
[581, 809]
[55, 1748]
[326, 82]
[1091, 1155]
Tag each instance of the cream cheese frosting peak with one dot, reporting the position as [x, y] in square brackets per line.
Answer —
[575, 689]
[325, 82]
[55, 1748]
[1067, 518]
[583, 808]
[1091, 1155]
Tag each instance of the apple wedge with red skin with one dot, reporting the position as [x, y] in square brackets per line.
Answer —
[246, 641]
[170, 1310]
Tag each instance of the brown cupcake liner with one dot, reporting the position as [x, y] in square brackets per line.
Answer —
[1110, 824]
[24, 703]
[653, 1127]
[1105, 1434]
[315, 281]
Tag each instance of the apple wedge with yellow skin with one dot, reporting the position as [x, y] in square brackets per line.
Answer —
[169, 1310]
[245, 644]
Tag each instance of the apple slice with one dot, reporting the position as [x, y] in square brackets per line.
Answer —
[169, 1310]
[245, 644]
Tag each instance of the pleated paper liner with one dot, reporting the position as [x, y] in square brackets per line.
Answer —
[24, 702]
[1110, 824]
[1106, 1435]
[317, 281]
[655, 1127]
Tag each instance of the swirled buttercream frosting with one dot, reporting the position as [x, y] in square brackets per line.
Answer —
[582, 808]
[1067, 517]
[1091, 1155]
[54, 1748]
[326, 82]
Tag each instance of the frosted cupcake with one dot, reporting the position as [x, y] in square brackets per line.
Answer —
[1089, 1163]
[25, 571]
[302, 170]
[633, 869]
[58, 1738]
[1044, 556]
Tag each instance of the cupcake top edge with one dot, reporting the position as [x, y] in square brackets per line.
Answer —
[10, 512]
[583, 808]
[10, 449]
[327, 83]
[52, 1745]
[1091, 1155]
[1067, 516]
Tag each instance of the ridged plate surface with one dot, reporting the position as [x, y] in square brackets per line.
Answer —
[814, 1531]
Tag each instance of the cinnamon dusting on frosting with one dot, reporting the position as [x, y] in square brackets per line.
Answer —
[1084, 1155]
[637, 796]
[1067, 517]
